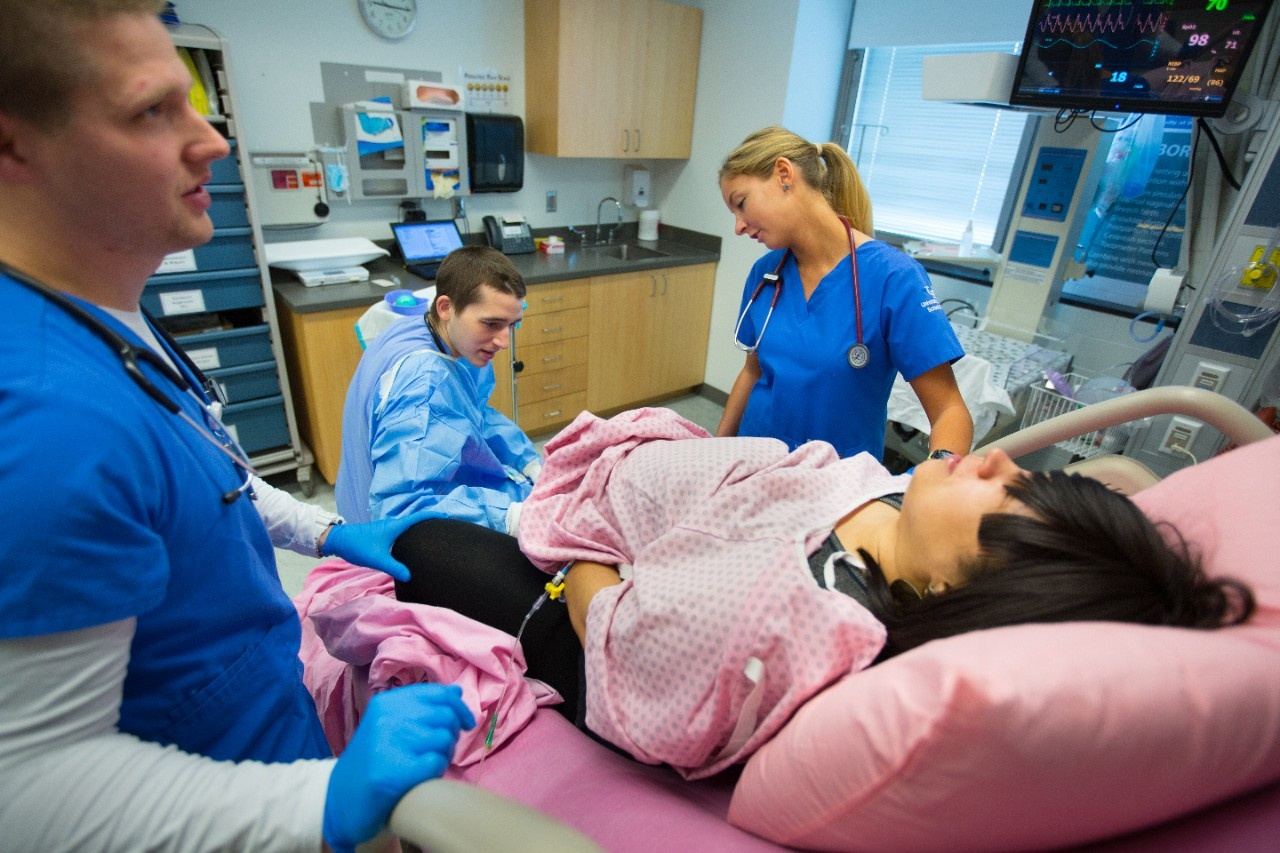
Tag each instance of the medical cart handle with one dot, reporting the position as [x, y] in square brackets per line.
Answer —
[1237, 423]
[446, 816]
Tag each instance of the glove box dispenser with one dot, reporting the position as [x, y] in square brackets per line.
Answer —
[495, 152]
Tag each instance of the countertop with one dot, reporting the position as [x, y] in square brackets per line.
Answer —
[678, 247]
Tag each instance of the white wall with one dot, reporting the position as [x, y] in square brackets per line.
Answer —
[276, 48]
[762, 62]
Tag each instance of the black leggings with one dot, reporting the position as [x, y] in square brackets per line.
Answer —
[482, 574]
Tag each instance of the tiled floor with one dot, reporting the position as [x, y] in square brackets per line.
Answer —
[294, 567]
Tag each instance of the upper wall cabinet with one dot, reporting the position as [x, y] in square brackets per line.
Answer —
[610, 78]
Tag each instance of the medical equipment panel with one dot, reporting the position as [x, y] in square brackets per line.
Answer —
[1042, 231]
[291, 188]
[1227, 339]
[1177, 57]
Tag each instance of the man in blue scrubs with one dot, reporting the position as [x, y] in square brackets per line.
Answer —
[150, 688]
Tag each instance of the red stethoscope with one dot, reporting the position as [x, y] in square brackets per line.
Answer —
[858, 354]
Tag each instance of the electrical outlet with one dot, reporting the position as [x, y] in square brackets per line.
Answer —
[1210, 377]
[1180, 435]
[551, 201]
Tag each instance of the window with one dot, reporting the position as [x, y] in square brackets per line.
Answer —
[932, 166]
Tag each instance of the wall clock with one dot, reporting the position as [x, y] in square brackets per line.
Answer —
[391, 19]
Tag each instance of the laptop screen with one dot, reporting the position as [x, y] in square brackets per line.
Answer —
[426, 241]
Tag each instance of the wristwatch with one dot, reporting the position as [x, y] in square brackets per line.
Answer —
[335, 521]
[941, 454]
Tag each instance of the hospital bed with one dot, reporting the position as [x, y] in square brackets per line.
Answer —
[994, 377]
[1081, 735]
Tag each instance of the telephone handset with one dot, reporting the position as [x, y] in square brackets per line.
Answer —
[512, 236]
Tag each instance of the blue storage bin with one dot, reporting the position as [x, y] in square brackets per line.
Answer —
[228, 209]
[195, 292]
[229, 248]
[247, 382]
[227, 170]
[258, 425]
[228, 347]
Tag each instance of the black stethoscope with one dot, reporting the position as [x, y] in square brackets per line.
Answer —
[858, 354]
[130, 356]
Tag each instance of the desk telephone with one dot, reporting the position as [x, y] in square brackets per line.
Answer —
[512, 236]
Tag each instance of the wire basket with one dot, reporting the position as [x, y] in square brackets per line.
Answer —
[1045, 402]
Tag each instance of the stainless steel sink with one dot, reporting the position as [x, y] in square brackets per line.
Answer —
[625, 252]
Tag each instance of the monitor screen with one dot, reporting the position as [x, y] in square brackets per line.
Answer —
[1178, 57]
[426, 241]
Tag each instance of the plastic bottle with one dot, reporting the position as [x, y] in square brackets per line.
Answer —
[966, 241]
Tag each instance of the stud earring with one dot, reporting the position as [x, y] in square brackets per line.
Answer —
[786, 188]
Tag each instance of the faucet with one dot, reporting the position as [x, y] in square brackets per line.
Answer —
[614, 229]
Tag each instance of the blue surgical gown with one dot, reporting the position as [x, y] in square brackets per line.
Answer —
[418, 433]
[807, 389]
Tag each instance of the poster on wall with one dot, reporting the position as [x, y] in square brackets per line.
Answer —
[488, 90]
[1139, 205]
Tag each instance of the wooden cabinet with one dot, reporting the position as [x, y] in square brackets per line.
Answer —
[648, 335]
[321, 351]
[605, 344]
[610, 78]
[551, 348]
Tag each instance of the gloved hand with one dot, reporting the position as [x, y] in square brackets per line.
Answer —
[407, 736]
[369, 544]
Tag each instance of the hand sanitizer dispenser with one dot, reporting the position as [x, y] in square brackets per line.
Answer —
[637, 192]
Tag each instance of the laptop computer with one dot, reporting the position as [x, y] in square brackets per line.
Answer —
[423, 245]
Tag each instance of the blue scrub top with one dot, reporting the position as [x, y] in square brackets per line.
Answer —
[113, 509]
[807, 390]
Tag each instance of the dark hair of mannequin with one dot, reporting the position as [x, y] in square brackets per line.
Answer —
[1089, 554]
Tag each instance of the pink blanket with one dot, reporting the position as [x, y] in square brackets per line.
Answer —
[357, 639]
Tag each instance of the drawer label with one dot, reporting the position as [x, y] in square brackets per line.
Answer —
[184, 261]
[205, 358]
[182, 302]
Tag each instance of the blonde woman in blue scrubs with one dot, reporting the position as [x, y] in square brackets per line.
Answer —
[830, 315]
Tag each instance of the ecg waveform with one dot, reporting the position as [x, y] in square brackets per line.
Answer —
[1104, 22]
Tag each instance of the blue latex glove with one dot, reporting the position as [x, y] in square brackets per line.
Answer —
[407, 736]
[369, 544]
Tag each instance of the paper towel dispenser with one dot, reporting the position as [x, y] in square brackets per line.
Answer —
[495, 152]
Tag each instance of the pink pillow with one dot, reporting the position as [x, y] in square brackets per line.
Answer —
[1048, 735]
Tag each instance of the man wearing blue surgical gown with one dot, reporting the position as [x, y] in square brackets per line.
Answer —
[418, 432]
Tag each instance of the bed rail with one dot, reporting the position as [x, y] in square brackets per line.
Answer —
[1237, 423]
[445, 816]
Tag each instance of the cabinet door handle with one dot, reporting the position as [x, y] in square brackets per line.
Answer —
[653, 286]
[555, 387]
[546, 330]
[626, 140]
[552, 358]
[553, 299]
[554, 414]
[664, 284]
[637, 140]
